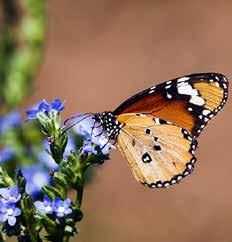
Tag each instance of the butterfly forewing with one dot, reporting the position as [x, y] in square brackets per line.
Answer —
[189, 101]
[159, 153]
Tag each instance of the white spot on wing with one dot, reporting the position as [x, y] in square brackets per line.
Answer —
[197, 100]
[182, 79]
[190, 91]
[206, 112]
[157, 121]
[166, 184]
[169, 96]
[185, 88]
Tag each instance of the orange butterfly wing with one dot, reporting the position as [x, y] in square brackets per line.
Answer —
[159, 153]
[189, 101]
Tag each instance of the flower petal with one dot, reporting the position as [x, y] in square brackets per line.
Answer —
[14, 191]
[40, 206]
[31, 113]
[57, 202]
[4, 192]
[60, 215]
[17, 212]
[11, 220]
[67, 202]
[68, 211]
[43, 106]
[47, 200]
[48, 209]
[57, 105]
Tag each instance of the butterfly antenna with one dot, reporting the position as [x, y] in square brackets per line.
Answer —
[77, 116]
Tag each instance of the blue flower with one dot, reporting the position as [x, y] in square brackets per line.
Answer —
[37, 177]
[5, 154]
[10, 194]
[93, 133]
[62, 208]
[88, 148]
[43, 107]
[44, 207]
[10, 120]
[57, 105]
[9, 212]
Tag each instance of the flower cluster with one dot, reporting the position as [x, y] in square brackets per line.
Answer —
[45, 108]
[47, 116]
[8, 204]
[86, 126]
[61, 208]
[48, 172]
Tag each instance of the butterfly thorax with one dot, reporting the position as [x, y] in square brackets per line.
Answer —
[109, 124]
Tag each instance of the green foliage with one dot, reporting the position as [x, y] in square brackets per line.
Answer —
[21, 44]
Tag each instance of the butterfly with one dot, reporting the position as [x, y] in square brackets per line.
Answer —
[157, 129]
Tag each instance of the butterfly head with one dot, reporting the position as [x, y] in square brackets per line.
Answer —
[109, 124]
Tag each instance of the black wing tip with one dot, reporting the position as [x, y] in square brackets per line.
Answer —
[208, 75]
[217, 77]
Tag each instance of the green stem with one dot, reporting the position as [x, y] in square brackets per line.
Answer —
[66, 238]
[79, 196]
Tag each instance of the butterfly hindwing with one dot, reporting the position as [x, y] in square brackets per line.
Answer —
[159, 153]
[189, 101]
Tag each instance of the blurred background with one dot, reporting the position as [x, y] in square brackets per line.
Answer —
[97, 54]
